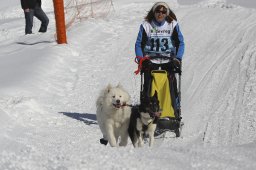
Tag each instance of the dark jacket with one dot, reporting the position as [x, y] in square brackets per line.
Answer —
[29, 3]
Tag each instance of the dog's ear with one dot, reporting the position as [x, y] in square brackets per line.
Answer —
[119, 86]
[155, 95]
[109, 87]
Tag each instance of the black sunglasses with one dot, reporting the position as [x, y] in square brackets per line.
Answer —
[159, 11]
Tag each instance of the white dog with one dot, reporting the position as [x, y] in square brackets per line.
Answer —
[113, 115]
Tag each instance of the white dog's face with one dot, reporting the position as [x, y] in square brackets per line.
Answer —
[117, 97]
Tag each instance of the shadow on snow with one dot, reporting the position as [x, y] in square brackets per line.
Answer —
[87, 118]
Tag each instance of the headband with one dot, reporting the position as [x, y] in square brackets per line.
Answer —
[162, 4]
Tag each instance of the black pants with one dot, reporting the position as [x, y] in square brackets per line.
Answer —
[39, 14]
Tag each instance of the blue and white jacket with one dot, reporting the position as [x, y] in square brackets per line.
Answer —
[160, 38]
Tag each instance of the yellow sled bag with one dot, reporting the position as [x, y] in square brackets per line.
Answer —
[160, 83]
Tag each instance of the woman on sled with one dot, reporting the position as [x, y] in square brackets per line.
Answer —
[159, 49]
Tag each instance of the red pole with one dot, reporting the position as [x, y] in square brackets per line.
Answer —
[60, 21]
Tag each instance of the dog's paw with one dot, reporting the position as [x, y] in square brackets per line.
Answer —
[123, 143]
[103, 141]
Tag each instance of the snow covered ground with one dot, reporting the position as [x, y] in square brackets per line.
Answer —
[244, 3]
[48, 91]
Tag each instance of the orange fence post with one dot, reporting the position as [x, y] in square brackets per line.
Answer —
[60, 21]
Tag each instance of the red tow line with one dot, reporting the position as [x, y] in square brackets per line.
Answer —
[140, 59]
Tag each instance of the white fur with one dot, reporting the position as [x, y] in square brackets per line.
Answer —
[113, 122]
[145, 120]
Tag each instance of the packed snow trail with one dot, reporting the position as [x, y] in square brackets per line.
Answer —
[48, 92]
[221, 75]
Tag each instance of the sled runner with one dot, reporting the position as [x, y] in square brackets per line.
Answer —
[162, 78]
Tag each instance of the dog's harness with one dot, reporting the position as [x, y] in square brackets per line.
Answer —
[145, 127]
[136, 109]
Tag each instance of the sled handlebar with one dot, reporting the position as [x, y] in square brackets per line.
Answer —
[161, 57]
[170, 61]
[139, 60]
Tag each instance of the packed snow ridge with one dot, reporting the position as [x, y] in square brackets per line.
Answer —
[216, 4]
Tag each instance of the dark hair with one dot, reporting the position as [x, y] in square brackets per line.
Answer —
[150, 16]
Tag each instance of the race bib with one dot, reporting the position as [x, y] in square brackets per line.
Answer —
[159, 45]
[159, 39]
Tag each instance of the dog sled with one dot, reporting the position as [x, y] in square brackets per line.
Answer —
[164, 78]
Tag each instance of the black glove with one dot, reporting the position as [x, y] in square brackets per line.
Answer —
[176, 62]
[146, 64]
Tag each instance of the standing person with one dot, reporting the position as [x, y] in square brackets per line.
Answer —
[33, 8]
[160, 37]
